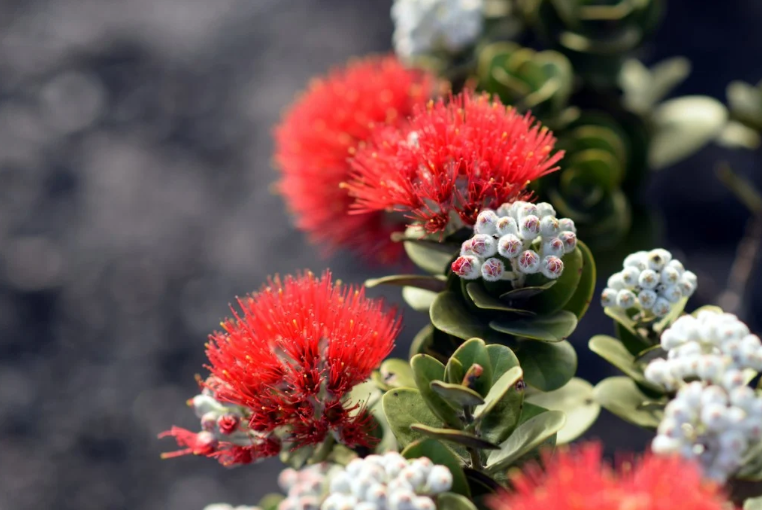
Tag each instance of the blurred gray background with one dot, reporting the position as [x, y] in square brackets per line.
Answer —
[135, 145]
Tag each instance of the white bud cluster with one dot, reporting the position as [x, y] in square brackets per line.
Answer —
[716, 418]
[651, 281]
[304, 488]
[387, 482]
[425, 26]
[527, 236]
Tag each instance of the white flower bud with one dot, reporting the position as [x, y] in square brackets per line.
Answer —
[671, 338]
[424, 464]
[377, 494]
[527, 210]
[658, 258]
[713, 417]
[401, 500]
[288, 478]
[661, 307]
[366, 505]
[691, 394]
[507, 225]
[399, 484]
[545, 209]
[203, 404]
[710, 367]
[423, 503]
[549, 227]
[670, 276]
[332, 502]
[516, 208]
[504, 210]
[439, 479]
[218, 506]
[552, 267]
[608, 297]
[486, 222]
[625, 299]
[680, 411]
[615, 282]
[509, 246]
[570, 241]
[414, 475]
[529, 227]
[733, 440]
[347, 502]
[466, 249]
[686, 287]
[552, 247]
[467, 267]
[743, 397]
[354, 467]
[672, 294]
[732, 379]
[394, 465]
[690, 277]
[567, 225]
[361, 484]
[630, 277]
[658, 372]
[714, 395]
[209, 421]
[493, 270]
[637, 260]
[648, 279]
[647, 298]
[662, 445]
[529, 262]
[288, 504]
[670, 428]
[483, 245]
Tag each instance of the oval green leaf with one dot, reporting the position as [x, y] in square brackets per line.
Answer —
[425, 370]
[404, 407]
[431, 283]
[450, 315]
[482, 299]
[457, 394]
[545, 328]
[556, 297]
[621, 396]
[518, 295]
[500, 414]
[419, 300]
[501, 359]
[455, 436]
[451, 501]
[474, 352]
[580, 301]
[576, 401]
[613, 351]
[524, 439]
[547, 366]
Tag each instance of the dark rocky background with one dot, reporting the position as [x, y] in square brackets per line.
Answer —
[134, 170]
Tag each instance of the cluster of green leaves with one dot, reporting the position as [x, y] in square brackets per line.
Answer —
[476, 415]
[745, 126]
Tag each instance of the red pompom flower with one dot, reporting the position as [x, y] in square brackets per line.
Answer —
[318, 135]
[580, 480]
[294, 352]
[461, 157]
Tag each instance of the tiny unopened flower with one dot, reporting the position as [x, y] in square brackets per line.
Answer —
[661, 307]
[507, 225]
[509, 246]
[549, 227]
[553, 246]
[529, 227]
[567, 225]
[439, 479]
[673, 294]
[647, 299]
[529, 262]
[467, 267]
[608, 297]
[570, 241]
[483, 245]
[228, 423]
[486, 222]
[625, 299]
[670, 276]
[318, 134]
[545, 209]
[493, 269]
[552, 267]
[630, 277]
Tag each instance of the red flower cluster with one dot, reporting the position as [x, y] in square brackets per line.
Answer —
[580, 480]
[318, 134]
[457, 157]
[294, 352]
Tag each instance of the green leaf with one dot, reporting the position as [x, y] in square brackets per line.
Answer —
[454, 371]
[483, 300]
[524, 439]
[546, 328]
[501, 411]
[431, 283]
[419, 300]
[501, 359]
[480, 483]
[297, 458]
[457, 394]
[682, 126]
[635, 344]
[753, 504]
[431, 257]
[580, 301]
[577, 403]
[450, 501]
[474, 352]
[396, 373]
[621, 396]
[449, 314]
[547, 366]
[404, 407]
[526, 292]
[556, 297]
[425, 370]
[617, 354]
[423, 341]
[270, 501]
[455, 436]
[439, 453]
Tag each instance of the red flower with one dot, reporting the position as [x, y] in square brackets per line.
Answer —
[452, 158]
[228, 454]
[319, 133]
[580, 480]
[295, 351]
